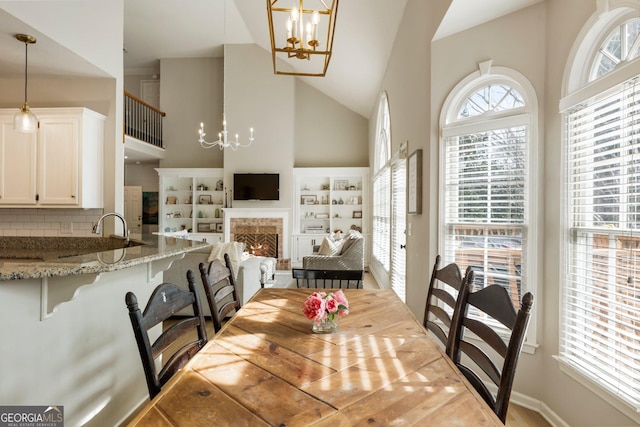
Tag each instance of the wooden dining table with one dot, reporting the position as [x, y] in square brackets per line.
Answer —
[267, 368]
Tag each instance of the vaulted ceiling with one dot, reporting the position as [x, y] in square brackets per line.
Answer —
[365, 33]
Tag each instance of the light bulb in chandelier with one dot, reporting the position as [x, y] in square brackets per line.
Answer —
[223, 139]
[302, 31]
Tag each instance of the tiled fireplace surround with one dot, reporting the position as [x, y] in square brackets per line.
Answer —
[259, 220]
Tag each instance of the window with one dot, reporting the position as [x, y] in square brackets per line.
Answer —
[382, 189]
[600, 321]
[621, 45]
[486, 174]
[398, 227]
[601, 327]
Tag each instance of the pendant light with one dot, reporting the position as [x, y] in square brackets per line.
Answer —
[24, 120]
[302, 31]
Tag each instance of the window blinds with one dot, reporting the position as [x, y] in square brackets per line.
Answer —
[382, 218]
[399, 221]
[600, 333]
[485, 205]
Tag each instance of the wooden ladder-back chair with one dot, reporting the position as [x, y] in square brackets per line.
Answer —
[220, 286]
[494, 301]
[166, 300]
[435, 316]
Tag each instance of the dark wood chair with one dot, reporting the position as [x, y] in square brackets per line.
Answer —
[220, 287]
[494, 301]
[453, 295]
[328, 279]
[165, 301]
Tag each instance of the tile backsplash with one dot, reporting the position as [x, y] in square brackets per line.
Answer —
[48, 222]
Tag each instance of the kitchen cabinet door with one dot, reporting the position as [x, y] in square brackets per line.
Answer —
[58, 161]
[17, 164]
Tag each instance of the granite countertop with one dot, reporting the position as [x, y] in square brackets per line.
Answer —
[38, 257]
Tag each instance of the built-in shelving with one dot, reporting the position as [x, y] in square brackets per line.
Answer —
[327, 200]
[192, 200]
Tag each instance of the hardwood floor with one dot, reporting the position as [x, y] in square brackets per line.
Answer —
[523, 417]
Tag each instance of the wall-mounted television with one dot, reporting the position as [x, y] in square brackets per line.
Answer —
[256, 186]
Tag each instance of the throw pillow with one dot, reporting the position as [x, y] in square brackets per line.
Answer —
[330, 247]
[234, 249]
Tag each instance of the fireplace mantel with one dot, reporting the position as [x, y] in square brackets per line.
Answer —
[281, 213]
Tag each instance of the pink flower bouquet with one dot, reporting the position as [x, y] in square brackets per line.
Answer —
[320, 306]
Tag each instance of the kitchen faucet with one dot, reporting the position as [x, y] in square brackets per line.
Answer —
[96, 228]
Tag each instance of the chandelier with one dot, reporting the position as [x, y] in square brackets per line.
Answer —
[223, 140]
[223, 136]
[24, 120]
[303, 31]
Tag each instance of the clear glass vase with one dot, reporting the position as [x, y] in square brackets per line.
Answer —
[326, 326]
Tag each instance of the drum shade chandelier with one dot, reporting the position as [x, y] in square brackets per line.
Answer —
[24, 120]
[303, 31]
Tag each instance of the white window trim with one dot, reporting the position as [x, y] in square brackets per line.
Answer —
[487, 73]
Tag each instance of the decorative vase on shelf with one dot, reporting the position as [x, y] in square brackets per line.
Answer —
[326, 326]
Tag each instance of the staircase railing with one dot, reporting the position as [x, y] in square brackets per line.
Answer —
[142, 121]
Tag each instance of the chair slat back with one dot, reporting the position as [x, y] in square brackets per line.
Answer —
[328, 279]
[494, 301]
[444, 284]
[219, 285]
[165, 301]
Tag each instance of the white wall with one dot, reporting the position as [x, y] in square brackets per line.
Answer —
[409, 90]
[132, 82]
[321, 122]
[143, 175]
[255, 97]
[190, 93]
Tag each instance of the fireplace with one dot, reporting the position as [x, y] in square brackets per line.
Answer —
[259, 240]
[265, 232]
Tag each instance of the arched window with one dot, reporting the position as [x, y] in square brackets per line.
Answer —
[382, 187]
[621, 45]
[487, 174]
[383, 134]
[600, 311]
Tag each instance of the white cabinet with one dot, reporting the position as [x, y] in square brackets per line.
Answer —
[327, 200]
[17, 164]
[192, 199]
[303, 246]
[60, 165]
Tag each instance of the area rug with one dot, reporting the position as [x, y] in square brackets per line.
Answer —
[282, 279]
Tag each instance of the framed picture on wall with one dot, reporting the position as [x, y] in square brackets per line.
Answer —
[309, 199]
[204, 199]
[204, 227]
[340, 184]
[414, 176]
[150, 207]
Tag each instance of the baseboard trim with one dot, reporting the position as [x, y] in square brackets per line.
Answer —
[539, 407]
